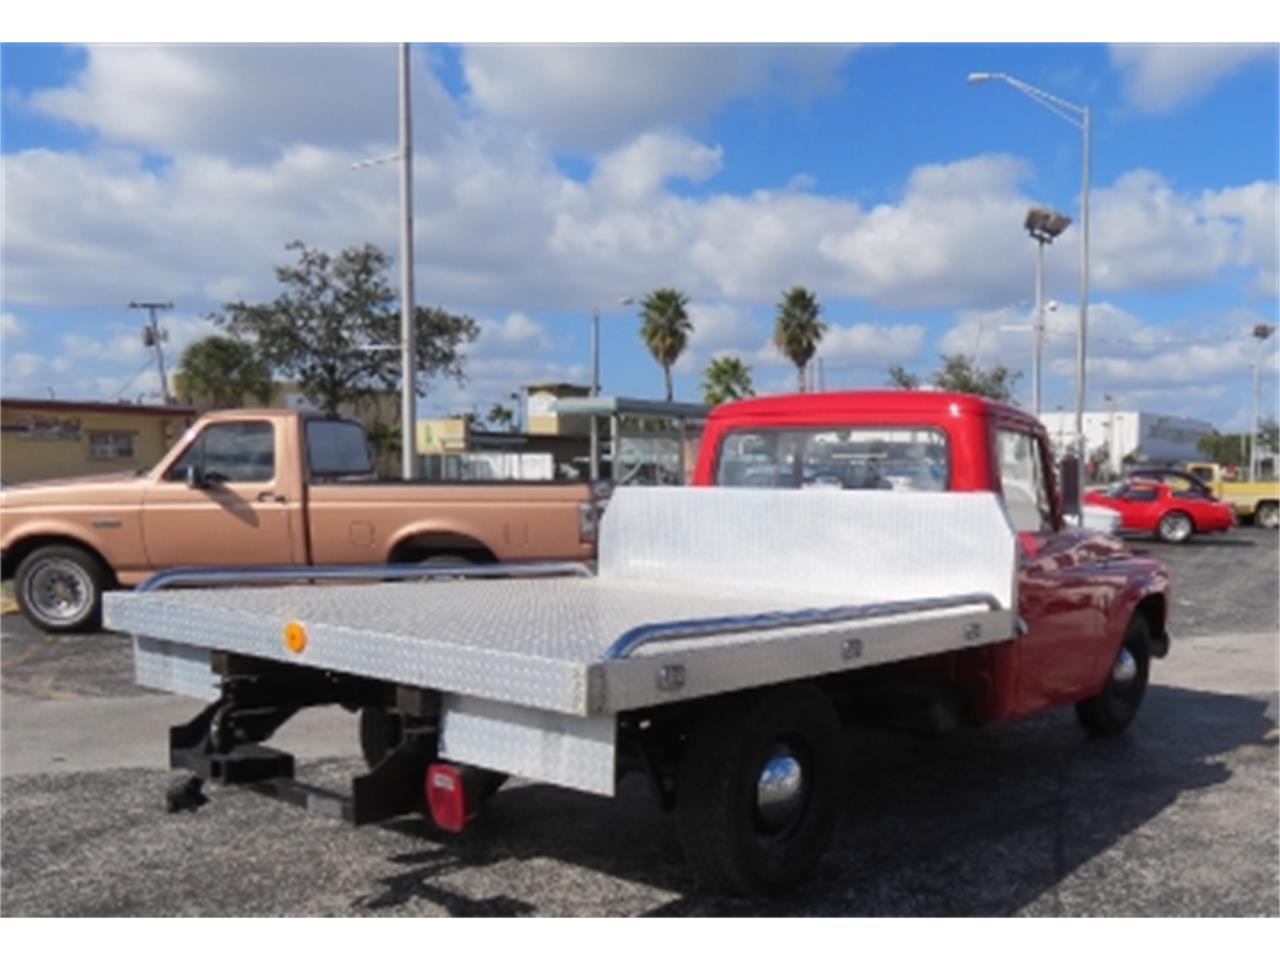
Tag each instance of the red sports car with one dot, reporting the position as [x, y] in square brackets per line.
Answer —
[1172, 511]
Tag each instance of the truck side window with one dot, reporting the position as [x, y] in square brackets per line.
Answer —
[230, 452]
[1026, 496]
[844, 458]
[337, 448]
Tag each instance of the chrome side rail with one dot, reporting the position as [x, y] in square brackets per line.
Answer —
[649, 633]
[246, 576]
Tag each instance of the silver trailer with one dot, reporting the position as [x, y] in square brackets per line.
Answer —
[704, 652]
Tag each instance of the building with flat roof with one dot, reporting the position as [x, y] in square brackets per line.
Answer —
[1117, 438]
[46, 439]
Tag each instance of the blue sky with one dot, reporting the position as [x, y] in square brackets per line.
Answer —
[551, 180]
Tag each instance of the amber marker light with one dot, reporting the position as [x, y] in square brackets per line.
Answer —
[295, 637]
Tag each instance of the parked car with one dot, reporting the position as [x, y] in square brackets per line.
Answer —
[1173, 512]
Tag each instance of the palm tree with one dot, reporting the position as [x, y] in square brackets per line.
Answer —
[666, 328]
[726, 378]
[798, 329]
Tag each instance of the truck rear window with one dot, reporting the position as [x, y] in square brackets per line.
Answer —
[337, 448]
[844, 458]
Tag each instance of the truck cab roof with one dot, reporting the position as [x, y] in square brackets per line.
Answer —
[842, 403]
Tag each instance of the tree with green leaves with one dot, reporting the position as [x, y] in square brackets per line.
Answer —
[665, 328]
[501, 417]
[798, 329]
[899, 377]
[962, 374]
[726, 378]
[222, 372]
[331, 325]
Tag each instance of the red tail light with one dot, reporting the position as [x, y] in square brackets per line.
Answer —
[447, 797]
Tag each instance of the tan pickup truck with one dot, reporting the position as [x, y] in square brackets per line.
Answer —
[262, 487]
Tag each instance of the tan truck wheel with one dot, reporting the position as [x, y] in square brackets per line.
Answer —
[59, 589]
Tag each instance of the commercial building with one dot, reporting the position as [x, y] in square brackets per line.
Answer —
[1115, 439]
[46, 439]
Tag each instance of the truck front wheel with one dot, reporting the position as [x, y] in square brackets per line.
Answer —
[59, 589]
[1115, 706]
[758, 789]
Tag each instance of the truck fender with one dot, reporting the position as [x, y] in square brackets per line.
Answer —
[32, 536]
[1144, 596]
[449, 537]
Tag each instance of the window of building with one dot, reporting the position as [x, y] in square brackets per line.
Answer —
[1026, 495]
[845, 458]
[110, 445]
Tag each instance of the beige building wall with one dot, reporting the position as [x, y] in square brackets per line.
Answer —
[46, 440]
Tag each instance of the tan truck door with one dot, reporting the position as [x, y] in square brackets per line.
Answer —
[226, 500]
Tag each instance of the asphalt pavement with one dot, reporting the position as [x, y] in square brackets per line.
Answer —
[1179, 817]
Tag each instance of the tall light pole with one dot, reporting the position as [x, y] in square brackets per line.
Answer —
[1078, 117]
[595, 392]
[408, 341]
[1262, 332]
[1045, 226]
[153, 336]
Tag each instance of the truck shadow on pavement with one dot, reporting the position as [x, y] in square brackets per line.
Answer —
[986, 822]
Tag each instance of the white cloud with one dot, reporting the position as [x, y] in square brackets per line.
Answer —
[11, 326]
[593, 96]
[1159, 78]
[245, 100]
[518, 333]
[636, 172]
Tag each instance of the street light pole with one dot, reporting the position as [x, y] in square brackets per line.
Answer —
[595, 392]
[408, 345]
[1079, 117]
[1262, 332]
[1045, 226]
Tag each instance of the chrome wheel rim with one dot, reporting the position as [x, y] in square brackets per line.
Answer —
[1124, 671]
[780, 791]
[58, 591]
[1176, 528]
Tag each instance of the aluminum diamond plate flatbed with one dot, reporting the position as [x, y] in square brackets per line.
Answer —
[550, 644]
[698, 592]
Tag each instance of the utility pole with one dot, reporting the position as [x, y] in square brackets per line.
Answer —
[154, 337]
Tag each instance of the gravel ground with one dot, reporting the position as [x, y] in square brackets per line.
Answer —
[1179, 817]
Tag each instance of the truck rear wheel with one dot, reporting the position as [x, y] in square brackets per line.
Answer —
[59, 589]
[758, 789]
[1116, 705]
[1267, 516]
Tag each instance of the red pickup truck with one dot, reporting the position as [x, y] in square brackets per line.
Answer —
[906, 562]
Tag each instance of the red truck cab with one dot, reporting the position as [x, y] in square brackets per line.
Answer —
[1092, 613]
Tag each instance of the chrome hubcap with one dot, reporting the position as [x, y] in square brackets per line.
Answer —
[1124, 670]
[1177, 528]
[780, 790]
[59, 591]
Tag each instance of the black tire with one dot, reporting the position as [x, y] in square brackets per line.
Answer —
[1175, 527]
[729, 838]
[381, 730]
[59, 589]
[1116, 705]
